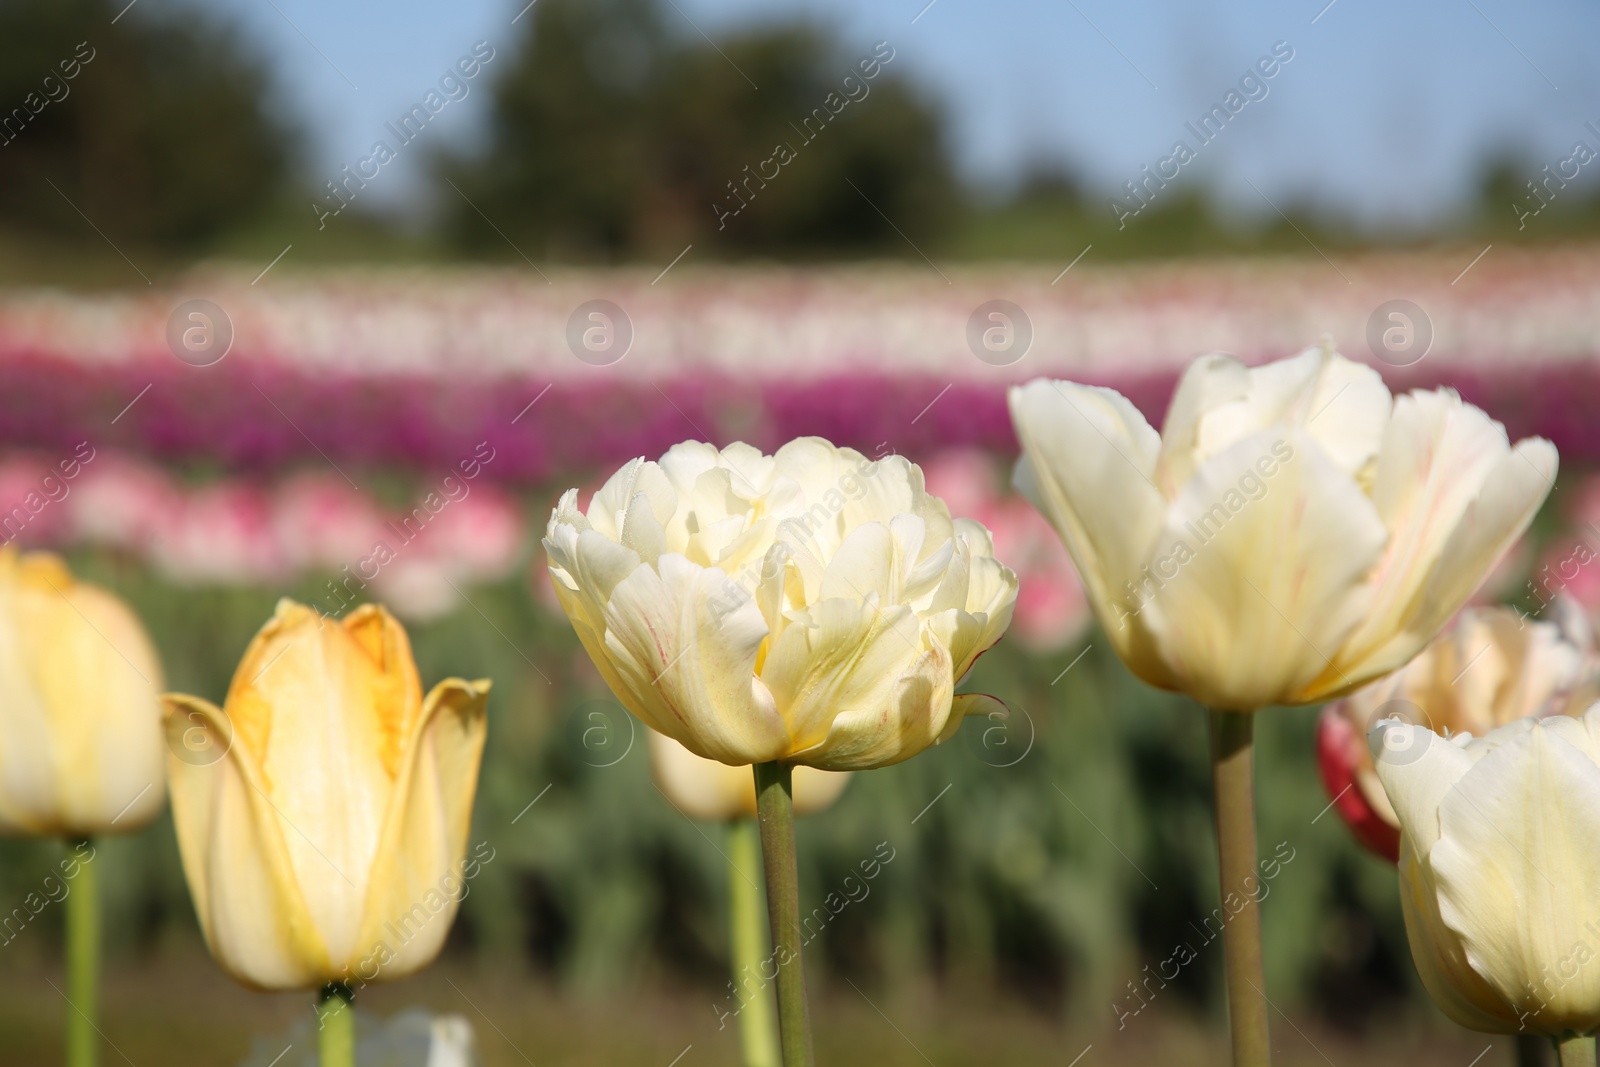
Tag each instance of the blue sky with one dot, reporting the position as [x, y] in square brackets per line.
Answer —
[1383, 114]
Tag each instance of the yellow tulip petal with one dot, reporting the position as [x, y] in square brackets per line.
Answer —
[80, 727]
[417, 878]
[315, 710]
[231, 839]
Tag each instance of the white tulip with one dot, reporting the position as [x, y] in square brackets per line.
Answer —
[1292, 534]
[813, 606]
[1499, 870]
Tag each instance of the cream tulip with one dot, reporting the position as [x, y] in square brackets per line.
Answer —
[1499, 873]
[80, 718]
[322, 813]
[1491, 666]
[717, 792]
[1293, 533]
[811, 607]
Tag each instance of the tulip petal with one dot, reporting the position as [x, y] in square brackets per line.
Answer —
[1259, 576]
[683, 644]
[1454, 496]
[914, 716]
[80, 725]
[1441, 958]
[1417, 768]
[317, 712]
[1519, 876]
[842, 657]
[418, 878]
[1087, 464]
[241, 878]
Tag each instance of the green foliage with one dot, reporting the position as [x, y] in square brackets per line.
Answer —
[158, 128]
[1051, 857]
[610, 138]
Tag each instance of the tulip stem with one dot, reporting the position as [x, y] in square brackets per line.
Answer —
[1576, 1052]
[336, 1021]
[775, 811]
[758, 1025]
[1233, 789]
[83, 965]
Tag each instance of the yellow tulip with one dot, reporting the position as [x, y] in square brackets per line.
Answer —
[1491, 666]
[1499, 873]
[1293, 533]
[80, 720]
[705, 789]
[322, 813]
[811, 607]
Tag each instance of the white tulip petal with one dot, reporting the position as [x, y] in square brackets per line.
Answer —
[1519, 876]
[1261, 571]
[1208, 383]
[914, 716]
[843, 657]
[1088, 459]
[1417, 768]
[684, 642]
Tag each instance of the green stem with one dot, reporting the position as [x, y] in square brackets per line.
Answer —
[336, 1020]
[83, 964]
[1576, 1052]
[747, 936]
[775, 810]
[1233, 789]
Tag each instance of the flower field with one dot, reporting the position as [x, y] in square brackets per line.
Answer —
[404, 436]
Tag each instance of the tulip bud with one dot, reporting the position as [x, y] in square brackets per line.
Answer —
[705, 789]
[80, 720]
[323, 827]
[1491, 667]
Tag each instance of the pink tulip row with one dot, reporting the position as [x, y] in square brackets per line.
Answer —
[411, 369]
[235, 531]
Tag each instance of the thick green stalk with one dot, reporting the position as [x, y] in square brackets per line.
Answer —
[1234, 792]
[775, 810]
[83, 965]
[747, 937]
[336, 1020]
[1576, 1052]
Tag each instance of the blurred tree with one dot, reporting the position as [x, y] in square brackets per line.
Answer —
[609, 138]
[157, 127]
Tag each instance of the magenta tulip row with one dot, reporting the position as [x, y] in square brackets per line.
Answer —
[413, 369]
